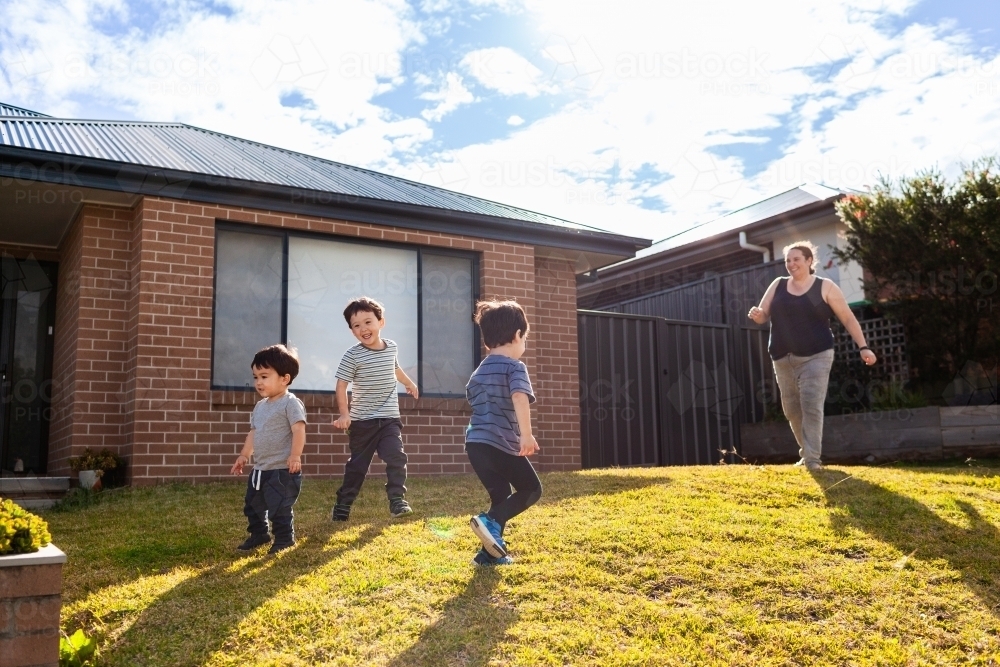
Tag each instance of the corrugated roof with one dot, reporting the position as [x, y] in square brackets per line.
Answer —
[11, 110]
[797, 197]
[185, 148]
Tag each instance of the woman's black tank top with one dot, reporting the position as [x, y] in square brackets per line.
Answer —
[800, 325]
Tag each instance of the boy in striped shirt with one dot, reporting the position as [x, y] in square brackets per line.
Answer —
[499, 440]
[372, 422]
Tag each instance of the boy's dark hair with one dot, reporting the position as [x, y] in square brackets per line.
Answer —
[282, 360]
[500, 321]
[363, 304]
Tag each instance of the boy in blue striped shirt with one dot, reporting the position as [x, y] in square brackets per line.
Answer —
[499, 440]
[372, 421]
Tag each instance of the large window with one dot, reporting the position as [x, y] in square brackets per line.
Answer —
[276, 287]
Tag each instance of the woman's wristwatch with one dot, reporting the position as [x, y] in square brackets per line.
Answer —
[862, 349]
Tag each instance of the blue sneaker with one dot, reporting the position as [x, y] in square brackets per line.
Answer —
[483, 558]
[488, 532]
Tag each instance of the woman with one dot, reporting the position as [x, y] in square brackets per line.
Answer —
[801, 344]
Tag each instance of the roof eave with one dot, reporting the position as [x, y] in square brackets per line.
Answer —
[801, 214]
[78, 171]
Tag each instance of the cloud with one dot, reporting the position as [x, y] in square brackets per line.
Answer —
[635, 107]
[505, 71]
[449, 97]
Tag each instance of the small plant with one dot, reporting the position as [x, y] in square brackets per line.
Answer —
[894, 397]
[21, 532]
[76, 650]
[99, 462]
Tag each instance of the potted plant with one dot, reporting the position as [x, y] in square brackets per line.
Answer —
[91, 466]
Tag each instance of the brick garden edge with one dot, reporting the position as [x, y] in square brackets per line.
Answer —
[30, 605]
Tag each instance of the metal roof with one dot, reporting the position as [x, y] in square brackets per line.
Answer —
[797, 197]
[11, 110]
[184, 148]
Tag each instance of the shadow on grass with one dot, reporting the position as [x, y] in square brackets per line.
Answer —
[914, 529]
[557, 487]
[188, 623]
[471, 625]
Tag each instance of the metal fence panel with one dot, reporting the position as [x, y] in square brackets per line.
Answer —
[695, 302]
[620, 421]
[655, 391]
[701, 394]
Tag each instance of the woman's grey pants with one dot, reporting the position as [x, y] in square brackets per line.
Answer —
[803, 382]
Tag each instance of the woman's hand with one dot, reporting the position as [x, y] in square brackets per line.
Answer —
[758, 315]
[868, 357]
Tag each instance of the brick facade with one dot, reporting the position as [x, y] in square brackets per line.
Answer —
[132, 363]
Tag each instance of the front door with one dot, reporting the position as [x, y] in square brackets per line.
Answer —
[27, 319]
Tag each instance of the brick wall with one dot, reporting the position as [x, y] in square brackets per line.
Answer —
[91, 349]
[139, 360]
[555, 373]
[30, 603]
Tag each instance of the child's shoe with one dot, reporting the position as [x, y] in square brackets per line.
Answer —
[275, 548]
[254, 541]
[483, 558]
[341, 512]
[399, 507]
[488, 532]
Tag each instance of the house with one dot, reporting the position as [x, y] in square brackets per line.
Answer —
[740, 240]
[144, 263]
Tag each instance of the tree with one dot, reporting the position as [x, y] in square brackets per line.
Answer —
[931, 254]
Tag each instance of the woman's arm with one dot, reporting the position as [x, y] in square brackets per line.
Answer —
[834, 298]
[762, 313]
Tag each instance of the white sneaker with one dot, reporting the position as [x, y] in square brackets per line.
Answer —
[800, 462]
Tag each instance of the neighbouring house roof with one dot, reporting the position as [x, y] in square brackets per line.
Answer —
[186, 162]
[739, 220]
[707, 240]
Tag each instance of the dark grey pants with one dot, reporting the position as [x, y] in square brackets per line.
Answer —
[368, 436]
[270, 495]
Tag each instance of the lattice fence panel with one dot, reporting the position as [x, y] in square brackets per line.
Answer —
[887, 340]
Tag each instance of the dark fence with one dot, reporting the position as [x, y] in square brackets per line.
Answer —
[656, 391]
[724, 298]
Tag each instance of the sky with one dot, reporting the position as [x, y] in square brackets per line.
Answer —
[642, 118]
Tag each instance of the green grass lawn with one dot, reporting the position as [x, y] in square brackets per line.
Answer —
[722, 565]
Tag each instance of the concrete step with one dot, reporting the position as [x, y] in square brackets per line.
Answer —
[14, 487]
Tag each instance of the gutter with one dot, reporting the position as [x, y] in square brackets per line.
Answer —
[756, 248]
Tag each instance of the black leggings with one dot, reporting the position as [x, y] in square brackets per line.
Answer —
[499, 471]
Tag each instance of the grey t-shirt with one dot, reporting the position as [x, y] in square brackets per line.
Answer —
[271, 422]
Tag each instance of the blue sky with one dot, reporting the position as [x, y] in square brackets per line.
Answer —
[638, 117]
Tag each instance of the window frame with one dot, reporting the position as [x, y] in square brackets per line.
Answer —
[286, 234]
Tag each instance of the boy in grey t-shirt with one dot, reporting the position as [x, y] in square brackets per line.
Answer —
[276, 439]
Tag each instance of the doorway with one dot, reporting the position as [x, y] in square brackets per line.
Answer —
[27, 321]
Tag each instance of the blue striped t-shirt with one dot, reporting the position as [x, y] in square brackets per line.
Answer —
[494, 421]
